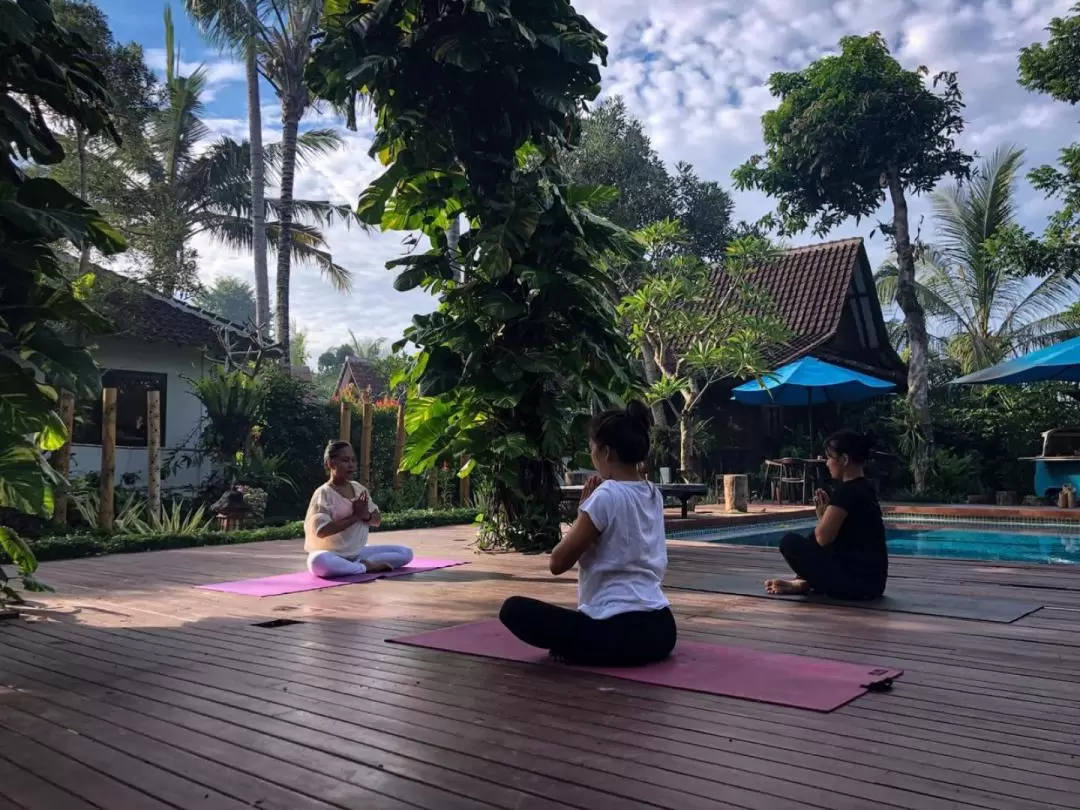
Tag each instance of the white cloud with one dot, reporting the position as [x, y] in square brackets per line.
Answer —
[218, 71]
[695, 72]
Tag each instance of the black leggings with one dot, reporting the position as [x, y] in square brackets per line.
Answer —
[819, 568]
[624, 640]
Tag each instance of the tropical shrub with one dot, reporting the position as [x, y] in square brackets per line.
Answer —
[48, 76]
[473, 103]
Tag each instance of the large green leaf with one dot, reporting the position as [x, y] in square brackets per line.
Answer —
[23, 485]
[17, 549]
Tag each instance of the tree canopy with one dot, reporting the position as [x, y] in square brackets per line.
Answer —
[843, 125]
[473, 103]
[848, 130]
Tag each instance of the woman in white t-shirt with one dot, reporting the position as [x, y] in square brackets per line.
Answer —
[618, 543]
[337, 521]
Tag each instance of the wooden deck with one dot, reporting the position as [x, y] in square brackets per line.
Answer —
[134, 690]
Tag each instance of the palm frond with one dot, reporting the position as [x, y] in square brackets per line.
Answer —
[308, 244]
[1050, 297]
[309, 144]
[318, 212]
[228, 24]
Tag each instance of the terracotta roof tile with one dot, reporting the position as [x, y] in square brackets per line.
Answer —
[140, 313]
[808, 286]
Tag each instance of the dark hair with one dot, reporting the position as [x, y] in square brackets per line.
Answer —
[624, 430]
[333, 450]
[850, 443]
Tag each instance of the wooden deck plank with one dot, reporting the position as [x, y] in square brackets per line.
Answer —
[24, 790]
[176, 692]
[318, 681]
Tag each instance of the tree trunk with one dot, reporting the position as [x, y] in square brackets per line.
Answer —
[453, 235]
[258, 182]
[652, 376]
[686, 446]
[291, 120]
[915, 321]
[80, 145]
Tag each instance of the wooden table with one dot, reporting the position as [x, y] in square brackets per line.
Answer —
[684, 492]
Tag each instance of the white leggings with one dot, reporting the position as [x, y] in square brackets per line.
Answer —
[327, 564]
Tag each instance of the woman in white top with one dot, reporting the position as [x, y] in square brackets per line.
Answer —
[618, 543]
[337, 521]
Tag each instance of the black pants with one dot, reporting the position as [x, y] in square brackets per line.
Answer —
[819, 567]
[625, 640]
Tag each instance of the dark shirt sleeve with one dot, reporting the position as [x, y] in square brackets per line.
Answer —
[845, 497]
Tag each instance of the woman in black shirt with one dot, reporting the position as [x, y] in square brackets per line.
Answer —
[845, 556]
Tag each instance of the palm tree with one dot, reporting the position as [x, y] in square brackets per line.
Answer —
[283, 31]
[982, 312]
[175, 187]
[219, 21]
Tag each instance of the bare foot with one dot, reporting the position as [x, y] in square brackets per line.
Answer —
[786, 586]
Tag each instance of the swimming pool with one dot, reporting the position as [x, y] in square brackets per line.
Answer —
[956, 542]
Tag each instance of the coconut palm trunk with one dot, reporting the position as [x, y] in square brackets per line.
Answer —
[291, 120]
[258, 180]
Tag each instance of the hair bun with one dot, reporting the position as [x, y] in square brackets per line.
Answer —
[639, 412]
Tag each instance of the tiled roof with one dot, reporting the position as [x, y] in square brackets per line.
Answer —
[808, 285]
[140, 313]
[361, 373]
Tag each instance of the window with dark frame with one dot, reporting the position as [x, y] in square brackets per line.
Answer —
[131, 389]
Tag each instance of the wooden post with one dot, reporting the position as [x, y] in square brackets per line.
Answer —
[61, 459]
[153, 456]
[399, 443]
[463, 484]
[736, 493]
[365, 438]
[106, 512]
[433, 488]
[345, 423]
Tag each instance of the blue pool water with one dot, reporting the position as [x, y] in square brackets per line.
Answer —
[952, 542]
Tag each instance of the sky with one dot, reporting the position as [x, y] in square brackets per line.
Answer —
[694, 72]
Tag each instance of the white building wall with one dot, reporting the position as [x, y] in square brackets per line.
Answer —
[183, 412]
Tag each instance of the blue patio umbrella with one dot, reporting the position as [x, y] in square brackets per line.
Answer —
[1058, 362]
[809, 381]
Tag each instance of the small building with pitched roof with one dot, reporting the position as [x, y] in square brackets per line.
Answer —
[159, 344]
[360, 373]
[825, 293]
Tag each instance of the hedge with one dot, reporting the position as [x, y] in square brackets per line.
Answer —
[74, 546]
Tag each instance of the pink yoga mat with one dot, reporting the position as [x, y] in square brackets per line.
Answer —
[303, 581]
[786, 680]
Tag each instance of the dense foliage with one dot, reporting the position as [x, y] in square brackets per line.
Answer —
[981, 310]
[73, 546]
[1052, 68]
[727, 335]
[473, 102]
[849, 129]
[47, 75]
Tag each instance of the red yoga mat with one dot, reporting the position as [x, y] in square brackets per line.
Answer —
[739, 672]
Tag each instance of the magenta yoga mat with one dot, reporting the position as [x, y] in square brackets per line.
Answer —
[739, 672]
[304, 581]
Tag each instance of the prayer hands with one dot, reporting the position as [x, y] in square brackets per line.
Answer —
[362, 506]
[590, 487]
[821, 501]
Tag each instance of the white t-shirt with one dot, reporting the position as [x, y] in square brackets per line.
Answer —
[623, 570]
[327, 504]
